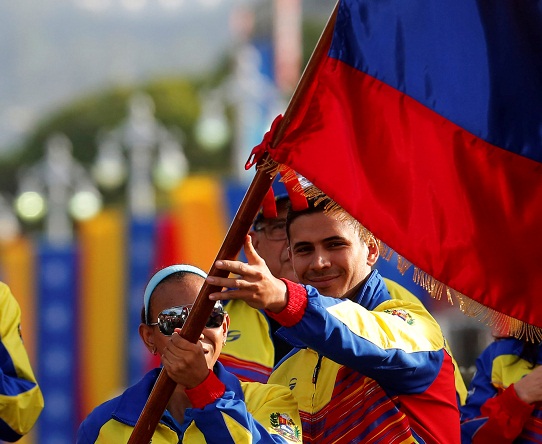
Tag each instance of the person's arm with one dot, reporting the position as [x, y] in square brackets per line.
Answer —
[490, 416]
[394, 349]
[405, 355]
[21, 400]
[223, 417]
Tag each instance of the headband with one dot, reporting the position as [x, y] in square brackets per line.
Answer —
[161, 275]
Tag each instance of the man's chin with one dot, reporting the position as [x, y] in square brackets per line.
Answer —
[327, 289]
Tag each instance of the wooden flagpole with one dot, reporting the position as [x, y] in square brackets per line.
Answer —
[231, 246]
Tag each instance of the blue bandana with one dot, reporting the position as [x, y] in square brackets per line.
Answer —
[161, 275]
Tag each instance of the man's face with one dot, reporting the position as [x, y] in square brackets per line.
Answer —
[328, 253]
[274, 252]
[174, 293]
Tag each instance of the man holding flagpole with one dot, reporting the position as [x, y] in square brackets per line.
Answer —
[366, 366]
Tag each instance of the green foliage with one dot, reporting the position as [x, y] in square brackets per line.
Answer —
[80, 121]
[312, 30]
[84, 121]
[177, 107]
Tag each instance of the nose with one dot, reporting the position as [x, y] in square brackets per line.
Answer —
[320, 260]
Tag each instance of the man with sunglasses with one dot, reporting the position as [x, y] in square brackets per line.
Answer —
[209, 404]
[368, 367]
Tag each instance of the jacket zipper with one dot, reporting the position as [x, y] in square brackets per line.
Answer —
[317, 369]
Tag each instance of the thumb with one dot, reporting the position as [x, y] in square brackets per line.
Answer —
[250, 251]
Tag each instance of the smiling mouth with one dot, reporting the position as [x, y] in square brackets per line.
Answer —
[322, 279]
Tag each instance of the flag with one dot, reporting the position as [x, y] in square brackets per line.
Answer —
[424, 121]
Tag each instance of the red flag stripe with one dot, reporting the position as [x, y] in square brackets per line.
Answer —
[444, 199]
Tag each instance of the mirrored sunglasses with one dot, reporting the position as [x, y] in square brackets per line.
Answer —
[175, 317]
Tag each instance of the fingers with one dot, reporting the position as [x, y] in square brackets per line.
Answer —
[235, 267]
[184, 361]
[240, 268]
[244, 274]
[251, 282]
[180, 348]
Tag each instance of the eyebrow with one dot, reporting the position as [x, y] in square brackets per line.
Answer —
[325, 240]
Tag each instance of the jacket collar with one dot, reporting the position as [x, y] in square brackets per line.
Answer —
[133, 400]
[372, 292]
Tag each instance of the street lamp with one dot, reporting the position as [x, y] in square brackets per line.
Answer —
[56, 188]
[155, 157]
[212, 130]
[171, 165]
[109, 169]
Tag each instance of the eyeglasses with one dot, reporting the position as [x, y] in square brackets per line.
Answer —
[274, 231]
[175, 317]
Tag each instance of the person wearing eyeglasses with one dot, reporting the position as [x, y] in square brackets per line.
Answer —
[271, 242]
[367, 367]
[209, 404]
[252, 348]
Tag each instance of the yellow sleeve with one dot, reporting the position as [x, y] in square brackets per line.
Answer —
[21, 400]
[275, 408]
[399, 292]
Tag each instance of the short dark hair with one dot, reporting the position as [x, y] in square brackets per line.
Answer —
[314, 206]
[318, 202]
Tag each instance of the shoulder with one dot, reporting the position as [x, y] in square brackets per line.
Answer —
[7, 300]
[10, 312]
[397, 291]
[125, 408]
[237, 308]
[503, 346]
[90, 427]
[257, 393]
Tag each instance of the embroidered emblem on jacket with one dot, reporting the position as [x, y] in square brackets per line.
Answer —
[285, 426]
[403, 314]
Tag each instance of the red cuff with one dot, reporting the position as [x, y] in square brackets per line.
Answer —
[507, 414]
[508, 402]
[207, 392]
[295, 309]
[514, 404]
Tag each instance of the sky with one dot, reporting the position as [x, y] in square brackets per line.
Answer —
[54, 51]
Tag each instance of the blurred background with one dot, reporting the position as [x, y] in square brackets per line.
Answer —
[124, 129]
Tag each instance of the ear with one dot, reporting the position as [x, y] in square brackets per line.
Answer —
[146, 332]
[374, 252]
[225, 326]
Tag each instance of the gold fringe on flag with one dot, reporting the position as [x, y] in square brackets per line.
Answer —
[505, 324]
[268, 165]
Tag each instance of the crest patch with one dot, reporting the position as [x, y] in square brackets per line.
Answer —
[403, 314]
[285, 426]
